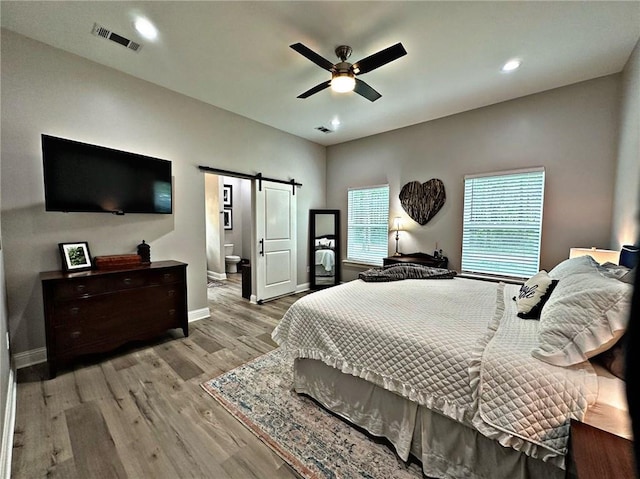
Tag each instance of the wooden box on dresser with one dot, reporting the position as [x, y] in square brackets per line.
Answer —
[96, 311]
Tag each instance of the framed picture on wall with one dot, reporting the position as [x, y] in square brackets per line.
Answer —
[75, 256]
[227, 196]
[227, 219]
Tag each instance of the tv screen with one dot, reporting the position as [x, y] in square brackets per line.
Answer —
[79, 177]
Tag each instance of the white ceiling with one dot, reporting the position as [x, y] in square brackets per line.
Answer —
[236, 55]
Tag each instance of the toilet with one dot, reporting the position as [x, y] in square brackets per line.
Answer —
[231, 261]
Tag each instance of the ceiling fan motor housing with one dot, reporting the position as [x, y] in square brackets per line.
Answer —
[343, 52]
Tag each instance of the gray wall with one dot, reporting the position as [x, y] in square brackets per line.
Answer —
[571, 131]
[626, 211]
[45, 90]
[5, 364]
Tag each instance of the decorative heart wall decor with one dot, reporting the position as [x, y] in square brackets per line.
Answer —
[423, 201]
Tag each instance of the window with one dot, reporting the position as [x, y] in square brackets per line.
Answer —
[502, 223]
[368, 224]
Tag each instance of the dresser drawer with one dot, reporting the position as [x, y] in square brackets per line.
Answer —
[77, 288]
[91, 308]
[139, 279]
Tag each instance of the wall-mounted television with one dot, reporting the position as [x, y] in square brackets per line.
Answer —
[79, 177]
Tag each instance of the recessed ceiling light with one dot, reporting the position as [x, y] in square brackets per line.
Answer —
[145, 28]
[511, 65]
[335, 122]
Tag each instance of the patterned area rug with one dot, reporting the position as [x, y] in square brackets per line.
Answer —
[313, 441]
[212, 283]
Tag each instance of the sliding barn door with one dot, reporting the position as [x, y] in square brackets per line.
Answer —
[276, 263]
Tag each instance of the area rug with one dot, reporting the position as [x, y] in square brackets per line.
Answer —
[212, 283]
[314, 442]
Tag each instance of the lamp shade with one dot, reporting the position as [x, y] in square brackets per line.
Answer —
[600, 255]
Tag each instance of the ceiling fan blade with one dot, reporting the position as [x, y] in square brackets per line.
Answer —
[366, 91]
[315, 89]
[313, 56]
[378, 59]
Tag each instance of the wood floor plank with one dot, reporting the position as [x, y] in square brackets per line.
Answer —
[182, 365]
[94, 450]
[141, 408]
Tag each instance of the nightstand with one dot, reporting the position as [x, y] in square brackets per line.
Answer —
[419, 258]
[598, 454]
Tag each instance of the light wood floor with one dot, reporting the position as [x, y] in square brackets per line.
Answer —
[140, 412]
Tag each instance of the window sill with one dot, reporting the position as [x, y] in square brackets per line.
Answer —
[491, 277]
[349, 262]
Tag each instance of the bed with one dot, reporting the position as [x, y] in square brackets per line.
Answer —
[448, 372]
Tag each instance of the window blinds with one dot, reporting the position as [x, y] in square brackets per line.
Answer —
[368, 224]
[502, 223]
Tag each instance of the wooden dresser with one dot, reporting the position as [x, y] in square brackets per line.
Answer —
[419, 258]
[97, 311]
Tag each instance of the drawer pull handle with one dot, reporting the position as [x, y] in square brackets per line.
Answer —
[171, 292]
[80, 288]
[74, 311]
[127, 281]
[167, 276]
[75, 334]
[172, 312]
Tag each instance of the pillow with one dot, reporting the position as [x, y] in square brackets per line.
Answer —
[586, 314]
[619, 272]
[580, 264]
[533, 294]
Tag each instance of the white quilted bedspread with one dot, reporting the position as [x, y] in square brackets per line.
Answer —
[412, 337]
[522, 401]
[455, 346]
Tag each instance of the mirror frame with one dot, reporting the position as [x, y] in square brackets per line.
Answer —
[312, 247]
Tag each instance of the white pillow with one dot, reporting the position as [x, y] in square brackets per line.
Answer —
[531, 294]
[586, 314]
[580, 264]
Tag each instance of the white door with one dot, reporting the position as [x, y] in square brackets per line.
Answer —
[276, 258]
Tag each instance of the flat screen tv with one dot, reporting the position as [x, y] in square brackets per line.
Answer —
[79, 177]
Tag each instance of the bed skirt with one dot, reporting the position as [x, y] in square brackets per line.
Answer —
[446, 448]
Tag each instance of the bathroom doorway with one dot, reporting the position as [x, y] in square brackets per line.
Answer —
[229, 222]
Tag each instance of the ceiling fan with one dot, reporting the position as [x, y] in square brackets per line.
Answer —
[344, 74]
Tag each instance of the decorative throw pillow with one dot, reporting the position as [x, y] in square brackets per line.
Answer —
[533, 294]
[586, 314]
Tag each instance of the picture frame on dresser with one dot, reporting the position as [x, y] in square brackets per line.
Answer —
[75, 256]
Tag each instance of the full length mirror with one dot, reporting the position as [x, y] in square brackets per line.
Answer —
[324, 248]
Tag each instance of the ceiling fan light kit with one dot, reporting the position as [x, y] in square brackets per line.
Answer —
[343, 73]
[343, 82]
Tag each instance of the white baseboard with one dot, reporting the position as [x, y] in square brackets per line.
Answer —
[214, 275]
[301, 288]
[9, 426]
[29, 358]
[198, 314]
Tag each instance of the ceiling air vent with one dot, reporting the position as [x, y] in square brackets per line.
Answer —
[100, 31]
[324, 129]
